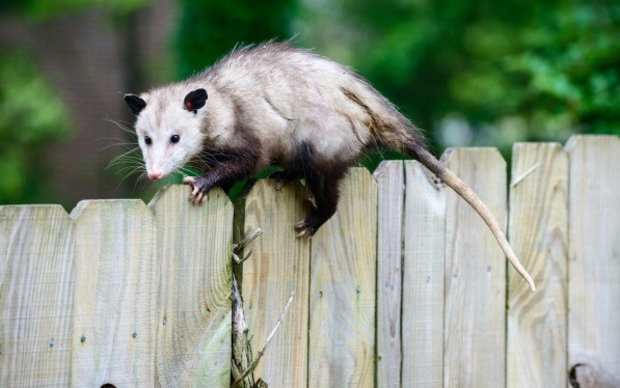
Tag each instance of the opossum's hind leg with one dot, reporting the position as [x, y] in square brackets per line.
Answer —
[324, 185]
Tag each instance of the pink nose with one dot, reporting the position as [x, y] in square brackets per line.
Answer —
[155, 175]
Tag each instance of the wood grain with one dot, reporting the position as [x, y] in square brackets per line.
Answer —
[423, 279]
[538, 233]
[194, 276]
[36, 296]
[594, 251]
[475, 274]
[115, 305]
[390, 184]
[342, 289]
[279, 265]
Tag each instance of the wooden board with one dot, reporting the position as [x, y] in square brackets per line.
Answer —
[342, 289]
[194, 277]
[278, 266]
[538, 233]
[115, 310]
[475, 274]
[391, 194]
[423, 279]
[594, 252]
[36, 296]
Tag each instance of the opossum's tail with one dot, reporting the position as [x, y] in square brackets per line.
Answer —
[451, 179]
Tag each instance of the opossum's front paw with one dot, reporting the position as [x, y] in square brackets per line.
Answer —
[305, 229]
[201, 187]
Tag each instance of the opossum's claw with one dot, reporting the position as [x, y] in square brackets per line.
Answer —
[312, 201]
[200, 187]
[305, 230]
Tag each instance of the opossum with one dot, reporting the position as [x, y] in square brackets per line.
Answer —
[273, 104]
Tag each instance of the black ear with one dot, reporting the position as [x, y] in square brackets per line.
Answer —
[135, 103]
[195, 100]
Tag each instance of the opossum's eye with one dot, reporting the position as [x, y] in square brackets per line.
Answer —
[174, 139]
[148, 140]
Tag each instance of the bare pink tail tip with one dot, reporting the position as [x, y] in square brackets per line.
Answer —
[530, 281]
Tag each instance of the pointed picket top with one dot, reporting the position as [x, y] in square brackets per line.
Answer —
[51, 209]
[174, 192]
[576, 141]
[106, 205]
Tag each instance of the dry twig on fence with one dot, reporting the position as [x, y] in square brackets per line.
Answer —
[237, 248]
[241, 351]
[261, 353]
[242, 364]
[521, 177]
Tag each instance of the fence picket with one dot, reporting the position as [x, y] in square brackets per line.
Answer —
[114, 310]
[279, 265]
[36, 295]
[194, 277]
[475, 275]
[423, 279]
[342, 289]
[594, 252]
[390, 197]
[538, 228]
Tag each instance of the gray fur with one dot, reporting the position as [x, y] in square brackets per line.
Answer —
[286, 96]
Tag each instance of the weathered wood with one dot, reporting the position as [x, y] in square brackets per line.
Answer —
[390, 183]
[475, 275]
[279, 265]
[342, 289]
[423, 279]
[36, 296]
[194, 276]
[538, 232]
[115, 306]
[594, 252]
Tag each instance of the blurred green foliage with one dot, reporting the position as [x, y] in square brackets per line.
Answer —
[208, 29]
[43, 9]
[31, 116]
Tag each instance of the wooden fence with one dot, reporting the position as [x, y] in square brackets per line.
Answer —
[404, 286]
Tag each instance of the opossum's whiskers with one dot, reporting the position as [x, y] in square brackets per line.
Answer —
[118, 144]
[121, 126]
[127, 155]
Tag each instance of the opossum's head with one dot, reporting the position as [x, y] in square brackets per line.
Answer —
[168, 128]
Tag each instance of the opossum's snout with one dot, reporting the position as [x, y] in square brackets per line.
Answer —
[155, 175]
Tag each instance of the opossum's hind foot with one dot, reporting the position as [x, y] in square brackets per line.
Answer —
[309, 225]
[304, 231]
[200, 188]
